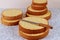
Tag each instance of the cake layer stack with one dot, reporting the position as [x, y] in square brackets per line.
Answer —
[11, 17]
[38, 8]
[32, 31]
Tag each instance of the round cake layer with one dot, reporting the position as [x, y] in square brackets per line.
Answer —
[46, 16]
[12, 14]
[36, 12]
[32, 28]
[39, 2]
[34, 36]
[37, 7]
[9, 22]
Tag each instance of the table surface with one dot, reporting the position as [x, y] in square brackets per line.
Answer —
[11, 32]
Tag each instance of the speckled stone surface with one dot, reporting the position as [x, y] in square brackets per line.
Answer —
[11, 32]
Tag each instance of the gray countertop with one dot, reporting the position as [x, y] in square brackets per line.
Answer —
[11, 33]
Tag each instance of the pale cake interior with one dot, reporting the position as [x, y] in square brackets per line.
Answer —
[39, 1]
[12, 12]
[30, 26]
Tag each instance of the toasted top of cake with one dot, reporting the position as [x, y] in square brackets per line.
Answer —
[31, 26]
[11, 12]
[39, 1]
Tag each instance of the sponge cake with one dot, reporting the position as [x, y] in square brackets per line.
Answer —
[12, 14]
[34, 36]
[46, 16]
[36, 12]
[32, 28]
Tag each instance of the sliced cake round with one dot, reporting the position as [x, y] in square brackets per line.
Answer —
[12, 14]
[36, 12]
[31, 28]
[46, 16]
[34, 36]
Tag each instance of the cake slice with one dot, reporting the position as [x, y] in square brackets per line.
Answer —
[39, 2]
[34, 36]
[12, 14]
[36, 12]
[9, 22]
[32, 28]
[46, 16]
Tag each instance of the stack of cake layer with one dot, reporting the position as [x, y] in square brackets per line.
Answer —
[11, 16]
[38, 8]
[32, 31]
